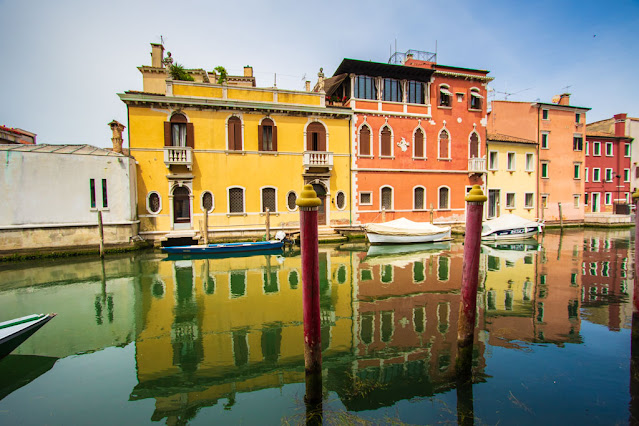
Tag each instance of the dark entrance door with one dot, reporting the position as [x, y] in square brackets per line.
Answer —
[181, 205]
[321, 194]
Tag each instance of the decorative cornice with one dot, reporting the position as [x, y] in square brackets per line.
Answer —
[464, 75]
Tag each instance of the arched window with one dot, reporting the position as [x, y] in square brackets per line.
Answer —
[291, 198]
[444, 198]
[474, 145]
[364, 140]
[267, 135]
[316, 137]
[153, 202]
[387, 198]
[419, 198]
[340, 200]
[386, 147]
[269, 199]
[419, 145]
[236, 200]
[178, 132]
[235, 134]
[444, 144]
[207, 201]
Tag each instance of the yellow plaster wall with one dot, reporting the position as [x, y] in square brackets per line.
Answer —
[299, 98]
[197, 91]
[154, 83]
[249, 95]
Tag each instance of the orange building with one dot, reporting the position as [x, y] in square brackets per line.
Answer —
[418, 136]
[559, 128]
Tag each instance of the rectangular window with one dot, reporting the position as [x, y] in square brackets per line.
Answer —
[392, 90]
[626, 175]
[105, 198]
[544, 170]
[586, 173]
[596, 174]
[511, 161]
[577, 171]
[608, 200]
[609, 149]
[493, 160]
[626, 150]
[418, 200]
[577, 117]
[92, 189]
[576, 200]
[415, 92]
[365, 87]
[596, 148]
[529, 200]
[366, 198]
[608, 175]
[530, 162]
[544, 114]
[544, 201]
[510, 200]
[445, 96]
[544, 140]
[586, 196]
[587, 148]
[236, 200]
[577, 143]
[475, 99]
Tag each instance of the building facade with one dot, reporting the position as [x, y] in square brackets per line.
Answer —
[418, 136]
[232, 151]
[9, 135]
[559, 128]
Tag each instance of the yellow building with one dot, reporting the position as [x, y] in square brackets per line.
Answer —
[512, 176]
[232, 150]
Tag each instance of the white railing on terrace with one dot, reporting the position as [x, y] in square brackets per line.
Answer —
[477, 165]
[178, 156]
[314, 159]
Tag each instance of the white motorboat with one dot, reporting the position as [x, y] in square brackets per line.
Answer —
[404, 231]
[510, 227]
[16, 331]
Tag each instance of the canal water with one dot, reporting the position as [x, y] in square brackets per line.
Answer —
[141, 338]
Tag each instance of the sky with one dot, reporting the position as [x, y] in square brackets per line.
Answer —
[64, 62]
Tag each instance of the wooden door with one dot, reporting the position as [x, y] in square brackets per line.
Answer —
[321, 212]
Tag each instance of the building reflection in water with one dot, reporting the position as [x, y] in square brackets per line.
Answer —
[212, 328]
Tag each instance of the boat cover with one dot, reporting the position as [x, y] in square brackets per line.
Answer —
[403, 226]
[507, 221]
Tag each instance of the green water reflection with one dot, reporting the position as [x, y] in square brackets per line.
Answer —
[222, 339]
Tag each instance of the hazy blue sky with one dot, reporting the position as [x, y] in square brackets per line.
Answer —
[64, 61]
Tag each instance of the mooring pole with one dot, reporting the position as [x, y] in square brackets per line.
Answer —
[268, 224]
[431, 212]
[634, 334]
[470, 277]
[383, 214]
[206, 227]
[309, 244]
[561, 217]
[101, 231]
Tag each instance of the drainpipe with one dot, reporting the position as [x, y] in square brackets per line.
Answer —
[538, 163]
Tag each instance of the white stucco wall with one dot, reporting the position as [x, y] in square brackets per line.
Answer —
[40, 188]
[632, 130]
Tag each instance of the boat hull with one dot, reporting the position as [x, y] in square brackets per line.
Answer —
[511, 234]
[225, 248]
[13, 336]
[375, 238]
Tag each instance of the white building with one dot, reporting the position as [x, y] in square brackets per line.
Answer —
[51, 195]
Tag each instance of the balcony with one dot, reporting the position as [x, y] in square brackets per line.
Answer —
[318, 161]
[178, 156]
[477, 165]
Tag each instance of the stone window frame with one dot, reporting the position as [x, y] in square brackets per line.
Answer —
[148, 207]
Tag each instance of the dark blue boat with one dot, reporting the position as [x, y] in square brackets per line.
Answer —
[225, 248]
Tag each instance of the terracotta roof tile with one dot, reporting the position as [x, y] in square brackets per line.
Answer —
[498, 137]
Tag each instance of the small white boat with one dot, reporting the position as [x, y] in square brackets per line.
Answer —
[16, 331]
[404, 231]
[510, 227]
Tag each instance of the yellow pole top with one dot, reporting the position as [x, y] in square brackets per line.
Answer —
[308, 197]
[476, 195]
[635, 194]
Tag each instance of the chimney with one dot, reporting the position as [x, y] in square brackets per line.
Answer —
[620, 124]
[157, 54]
[248, 71]
[564, 99]
[409, 56]
[308, 85]
[117, 129]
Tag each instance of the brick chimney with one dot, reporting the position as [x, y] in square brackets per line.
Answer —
[117, 129]
[248, 71]
[308, 85]
[564, 99]
[620, 124]
[157, 54]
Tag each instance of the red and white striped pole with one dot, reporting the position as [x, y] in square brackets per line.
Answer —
[309, 243]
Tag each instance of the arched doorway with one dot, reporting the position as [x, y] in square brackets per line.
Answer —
[181, 208]
[321, 194]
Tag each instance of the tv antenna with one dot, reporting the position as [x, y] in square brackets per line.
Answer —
[506, 94]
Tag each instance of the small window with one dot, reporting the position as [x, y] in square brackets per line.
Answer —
[444, 144]
[153, 203]
[387, 198]
[577, 143]
[392, 90]
[576, 171]
[609, 149]
[419, 198]
[269, 200]
[609, 175]
[475, 99]
[419, 144]
[529, 200]
[626, 150]
[365, 87]
[576, 200]
[444, 200]
[493, 160]
[105, 198]
[267, 135]
[596, 174]
[364, 141]
[577, 117]
[587, 148]
[236, 200]
[544, 170]
[586, 172]
[291, 198]
[608, 198]
[234, 134]
[530, 165]
[596, 148]
[544, 140]
[386, 148]
[365, 198]
[626, 175]
[340, 200]
[510, 200]
[445, 96]
[207, 201]
[544, 201]
[544, 114]
[92, 192]
[586, 197]
[415, 92]
[511, 161]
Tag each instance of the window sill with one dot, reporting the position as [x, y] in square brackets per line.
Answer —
[389, 157]
[365, 156]
[270, 213]
[528, 208]
[235, 214]
[234, 152]
[95, 209]
[445, 159]
[362, 204]
[544, 147]
[444, 107]
[420, 158]
[529, 171]
[274, 153]
[474, 110]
